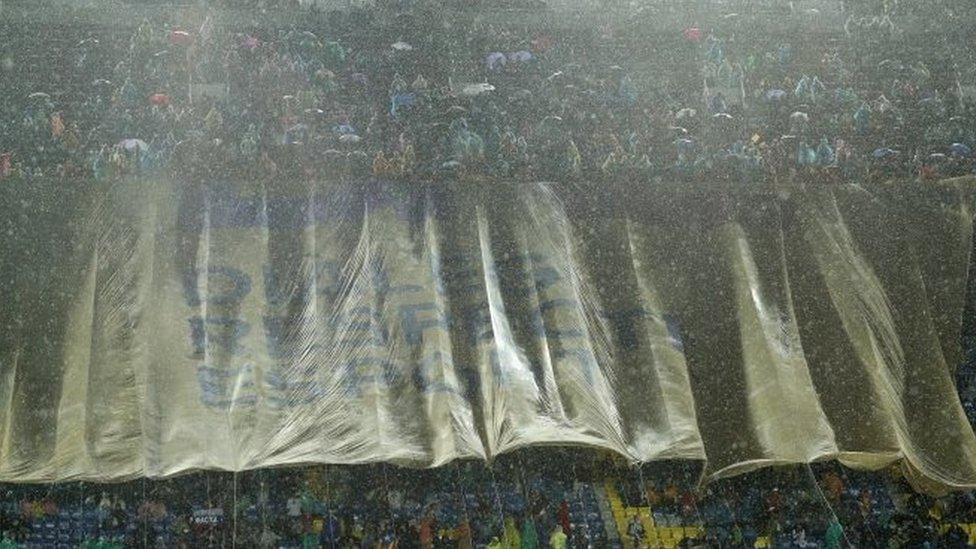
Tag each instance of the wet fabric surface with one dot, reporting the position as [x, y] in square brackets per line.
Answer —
[154, 327]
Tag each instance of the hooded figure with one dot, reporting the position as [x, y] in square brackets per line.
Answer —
[513, 540]
[530, 538]
[834, 535]
[557, 540]
[825, 154]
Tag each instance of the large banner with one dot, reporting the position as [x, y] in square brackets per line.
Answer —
[151, 327]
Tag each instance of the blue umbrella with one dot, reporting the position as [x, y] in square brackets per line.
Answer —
[495, 60]
[960, 149]
[884, 152]
[775, 95]
[402, 100]
[685, 145]
[825, 153]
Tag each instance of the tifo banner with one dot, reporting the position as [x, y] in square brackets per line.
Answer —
[151, 327]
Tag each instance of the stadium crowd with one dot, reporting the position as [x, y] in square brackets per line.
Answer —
[364, 95]
[550, 500]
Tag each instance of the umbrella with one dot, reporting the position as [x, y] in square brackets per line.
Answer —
[250, 43]
[402, 100]
[401, 46]
[159, 99]
[180, 37]
[495, 60]
[38, 95]
[693, 34]
[476, 89]
[775, 95]
[960, 149]
[686, 112]
[884, 152]
[521, 95]
[133, 144]
[799, 117]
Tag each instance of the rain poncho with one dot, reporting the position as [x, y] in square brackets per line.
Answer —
[513, 540]
[530, 538]
[834, 535]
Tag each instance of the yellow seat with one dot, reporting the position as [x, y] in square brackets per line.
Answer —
[762, 543]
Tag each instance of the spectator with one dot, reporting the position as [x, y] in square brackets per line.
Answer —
[558, 538]
[834, 535]
[635, 531]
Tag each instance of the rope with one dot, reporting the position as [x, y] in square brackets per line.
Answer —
[233, 538]
[498, 500]
[813, 479]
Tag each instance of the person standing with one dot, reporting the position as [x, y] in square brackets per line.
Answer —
[835, 532]
[635, 530]
[557, 540]
[530, 538]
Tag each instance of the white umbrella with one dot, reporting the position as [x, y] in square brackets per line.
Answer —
[476, 89]
[133, 144]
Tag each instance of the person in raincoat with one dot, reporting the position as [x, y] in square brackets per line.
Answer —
[512, 539]
[557, 540]
[426, 531]
[635, 530]
[562, 517]
[465, 539]
[834, 535]
[530, 538]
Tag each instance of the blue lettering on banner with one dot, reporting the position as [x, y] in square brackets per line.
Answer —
[239, 286]
[585, 358]
[426, 379]
[414, 327]
[367, 327]
[216, 384]
[220, 332]
[625, 326]
[674, 333]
